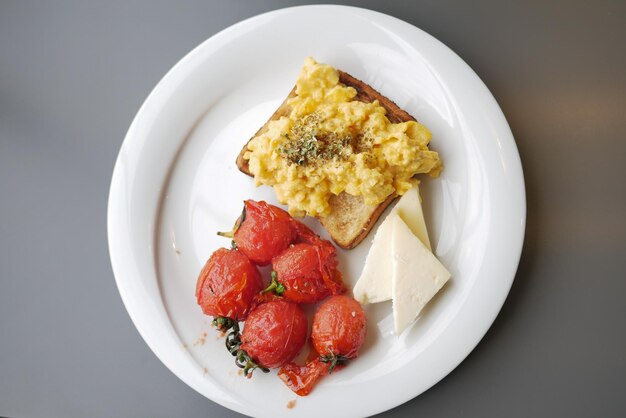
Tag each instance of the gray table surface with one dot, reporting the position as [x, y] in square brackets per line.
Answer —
[72, 76]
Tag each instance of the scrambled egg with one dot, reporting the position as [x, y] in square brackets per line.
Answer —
[330, 143]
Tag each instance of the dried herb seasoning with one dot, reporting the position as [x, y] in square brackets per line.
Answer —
[306, 144]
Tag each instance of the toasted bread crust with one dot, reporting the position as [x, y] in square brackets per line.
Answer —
[283, 110]
[350, 219]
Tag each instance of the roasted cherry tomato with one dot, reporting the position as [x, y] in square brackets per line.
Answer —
[273, 335]
[307, 272]
[228, 285]
[337, 334]
[263, 231]
[338, 329]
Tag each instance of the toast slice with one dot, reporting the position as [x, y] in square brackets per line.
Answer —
[350, 219]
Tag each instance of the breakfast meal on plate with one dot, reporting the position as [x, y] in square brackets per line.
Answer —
[338, 150]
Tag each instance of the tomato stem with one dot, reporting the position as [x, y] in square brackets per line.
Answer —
[275, 286]
[334, 360]
[233, 339]
[223, 323]
[231, 233]
[245, 362]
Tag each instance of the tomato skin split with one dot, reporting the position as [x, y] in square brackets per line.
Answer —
[306, 234]
[228, 285]
[302, 379]
[274, 333]
[264, 231]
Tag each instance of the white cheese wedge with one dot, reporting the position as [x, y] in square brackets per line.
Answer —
[417, 274]
[410, 210]
[374, 284]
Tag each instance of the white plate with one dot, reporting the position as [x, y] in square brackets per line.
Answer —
[175, 184]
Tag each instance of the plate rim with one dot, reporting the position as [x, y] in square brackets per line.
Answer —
[113, 199]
